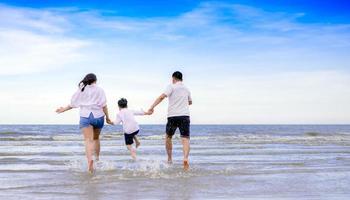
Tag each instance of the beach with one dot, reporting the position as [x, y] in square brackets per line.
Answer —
[227, 162]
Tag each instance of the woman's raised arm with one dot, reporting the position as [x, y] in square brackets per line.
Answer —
[63, 109]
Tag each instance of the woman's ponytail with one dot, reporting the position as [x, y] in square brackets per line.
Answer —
[88, 80]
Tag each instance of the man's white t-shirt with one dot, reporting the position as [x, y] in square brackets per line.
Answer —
[126, 117]
[179, 96]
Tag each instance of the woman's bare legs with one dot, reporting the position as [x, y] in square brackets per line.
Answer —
[97, 143]
[88, 133]
[132, 151]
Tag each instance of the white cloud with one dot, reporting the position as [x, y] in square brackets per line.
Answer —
[34, 41]
[29, 19]
[243, 64]
[26, 52]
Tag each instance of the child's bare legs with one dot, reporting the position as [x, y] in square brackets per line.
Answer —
[137, 142]
[132, 151]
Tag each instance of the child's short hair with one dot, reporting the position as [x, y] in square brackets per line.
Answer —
[123, 103]
[177, 75]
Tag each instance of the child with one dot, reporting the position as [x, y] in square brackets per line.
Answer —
[130, 126]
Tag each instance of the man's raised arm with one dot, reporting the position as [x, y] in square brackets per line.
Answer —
[156, 102]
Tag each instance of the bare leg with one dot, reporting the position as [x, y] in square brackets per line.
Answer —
[137, 142]
[186, 151]
[169, 148]
[97, 143]
[132, 151]
[89, 146]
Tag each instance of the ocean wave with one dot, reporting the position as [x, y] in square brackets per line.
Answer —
[26, 138]
[67, 137]
[271, 139]
[312, 134]
[8, 132]
[307, 138]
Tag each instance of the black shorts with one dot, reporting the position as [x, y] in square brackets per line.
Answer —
[181, 122]
[129, 138]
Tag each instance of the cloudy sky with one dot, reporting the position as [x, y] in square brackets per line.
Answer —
[245, 62]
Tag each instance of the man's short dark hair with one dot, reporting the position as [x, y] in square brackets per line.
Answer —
[177, 75]
[123, 103]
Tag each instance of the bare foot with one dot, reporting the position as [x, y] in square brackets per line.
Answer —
[97, 158]
[186, 165]
[133, 154]
[138, 144]
[91, 167]
[170, 162]
[133, 157]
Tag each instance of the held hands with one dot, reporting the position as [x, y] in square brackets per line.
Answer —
[109, 121]
[149, 112]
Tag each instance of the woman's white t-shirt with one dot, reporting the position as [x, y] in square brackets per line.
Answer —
[91, 100]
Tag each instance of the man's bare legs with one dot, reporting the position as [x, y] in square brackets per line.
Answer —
[186, 151]
[97, 143]
[169, 148]
[137, 142]
[132, 151]
[89, 146]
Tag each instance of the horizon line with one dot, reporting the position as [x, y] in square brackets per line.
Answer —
[214, 124]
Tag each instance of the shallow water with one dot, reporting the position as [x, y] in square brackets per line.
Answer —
[227, 162]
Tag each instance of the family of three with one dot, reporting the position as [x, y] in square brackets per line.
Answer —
[92, 102]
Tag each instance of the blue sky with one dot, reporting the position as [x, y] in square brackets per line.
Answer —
[325, 11]
[246, 62]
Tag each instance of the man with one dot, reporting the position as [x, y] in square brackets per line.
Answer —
[178, 115]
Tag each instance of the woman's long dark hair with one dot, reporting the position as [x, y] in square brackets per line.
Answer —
[88, 80]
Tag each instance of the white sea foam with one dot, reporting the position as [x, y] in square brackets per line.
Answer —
[77, 165]
[66, 137]
[29, 167]
[239, 139]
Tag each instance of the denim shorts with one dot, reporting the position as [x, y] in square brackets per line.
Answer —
[96, 123]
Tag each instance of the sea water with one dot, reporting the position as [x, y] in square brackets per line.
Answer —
[227, 162]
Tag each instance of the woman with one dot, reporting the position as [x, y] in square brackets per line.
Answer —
[91, 100]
